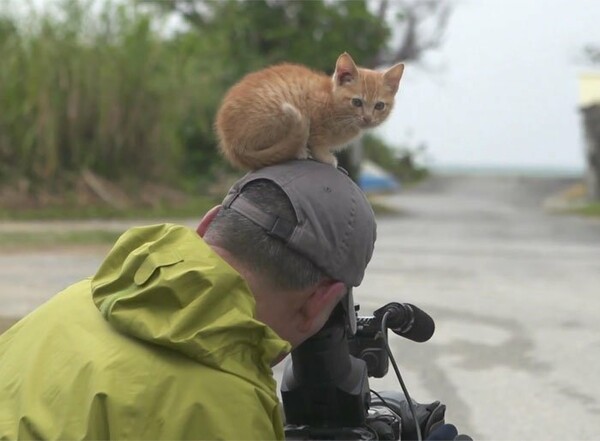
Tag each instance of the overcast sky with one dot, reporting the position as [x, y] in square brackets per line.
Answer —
[506, 94]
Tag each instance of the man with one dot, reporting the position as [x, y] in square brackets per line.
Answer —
[175, 335]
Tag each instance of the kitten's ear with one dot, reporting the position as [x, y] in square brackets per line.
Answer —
[391, 77]
[345, 70]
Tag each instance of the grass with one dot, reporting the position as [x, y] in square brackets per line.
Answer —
[193, 208]
[39, 238]
[57, 238]
[102, 91]
[592, 210]
[575, 200]
[381, 208]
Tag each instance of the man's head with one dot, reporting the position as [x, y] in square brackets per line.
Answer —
[301, 233]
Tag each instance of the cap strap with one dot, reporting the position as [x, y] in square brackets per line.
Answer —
[274, 225]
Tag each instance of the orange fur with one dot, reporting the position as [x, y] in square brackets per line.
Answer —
[290, 111]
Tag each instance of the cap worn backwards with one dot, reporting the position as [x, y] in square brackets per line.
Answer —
[335, 226]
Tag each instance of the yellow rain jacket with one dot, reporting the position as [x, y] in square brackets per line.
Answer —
[161, 343]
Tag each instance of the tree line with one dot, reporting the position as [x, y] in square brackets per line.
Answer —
[115, 88]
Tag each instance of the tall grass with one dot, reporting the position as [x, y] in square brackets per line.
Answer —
[104, 91]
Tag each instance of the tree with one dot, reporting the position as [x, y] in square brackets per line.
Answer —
[257, 33]
[264, 25]
[420, 27]
[254, 34]
[592, 53]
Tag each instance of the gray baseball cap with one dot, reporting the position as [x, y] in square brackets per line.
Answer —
[335, 226]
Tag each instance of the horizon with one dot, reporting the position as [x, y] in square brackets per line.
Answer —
[502, 90]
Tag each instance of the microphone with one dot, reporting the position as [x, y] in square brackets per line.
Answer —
[407, 321]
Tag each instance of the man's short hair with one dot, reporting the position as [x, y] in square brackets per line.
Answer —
[308, 222]
[254, 247]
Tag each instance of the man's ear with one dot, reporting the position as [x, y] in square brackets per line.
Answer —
[318, 306]
[206, 220]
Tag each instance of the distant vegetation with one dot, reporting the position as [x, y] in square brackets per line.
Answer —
[116, 96]
[592, 210]
[106, 94]
[402, 162]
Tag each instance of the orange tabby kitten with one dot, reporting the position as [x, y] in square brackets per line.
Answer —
[289, 111]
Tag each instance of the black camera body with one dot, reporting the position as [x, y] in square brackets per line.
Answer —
[325, 387]
[368, 344]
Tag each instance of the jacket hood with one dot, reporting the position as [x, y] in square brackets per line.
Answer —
[163, 284]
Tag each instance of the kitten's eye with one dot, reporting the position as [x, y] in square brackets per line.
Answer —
[379, 105]
[356, 102]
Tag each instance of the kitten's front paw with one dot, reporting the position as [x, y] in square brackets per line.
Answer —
[326, 157]
[303, 154]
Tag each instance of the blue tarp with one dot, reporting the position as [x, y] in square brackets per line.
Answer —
[373, 178]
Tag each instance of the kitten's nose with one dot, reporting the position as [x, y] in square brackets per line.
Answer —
[367, 119]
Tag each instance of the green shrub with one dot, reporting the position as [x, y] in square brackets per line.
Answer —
[401, 162]
[104, 93]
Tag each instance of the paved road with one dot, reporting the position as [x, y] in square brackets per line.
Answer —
[515, 293]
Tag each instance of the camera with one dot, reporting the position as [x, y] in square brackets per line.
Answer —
[368, 344]
[325, 388]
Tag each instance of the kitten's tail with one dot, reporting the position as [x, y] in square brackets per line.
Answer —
[253, 154]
